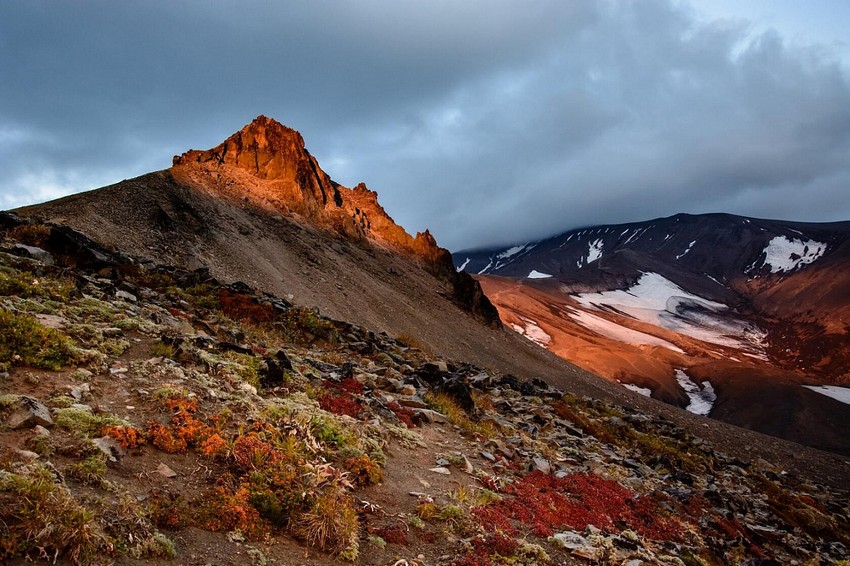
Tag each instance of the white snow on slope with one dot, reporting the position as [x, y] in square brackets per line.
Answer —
[511, 251]
[783, 254]
[656, 300]
[687, 250]
[620, 333]
[702, 400]
[538, 275]
[594, 250]
[463, 266]
[651, 292]
[645, 391]
[838, 393]
[485, 268]
[533, 332]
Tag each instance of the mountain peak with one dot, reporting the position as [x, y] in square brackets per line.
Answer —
[265, 148]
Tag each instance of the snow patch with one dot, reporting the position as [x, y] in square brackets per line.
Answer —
[538, 275]
[687, 250]
[485, 268]
[533, 332]
[594, 250]
[645, 391]
[463, 265]
[621, 333]
[838, 393]
[511, 251]
[782, 254]
[702, 399]
[656, 300]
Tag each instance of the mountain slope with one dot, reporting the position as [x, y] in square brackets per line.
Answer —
[753, 308]
[212, 211]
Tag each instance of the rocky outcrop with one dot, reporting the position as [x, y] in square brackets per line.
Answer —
[286, 178]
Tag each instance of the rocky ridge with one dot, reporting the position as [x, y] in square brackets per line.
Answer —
[151, 411]
[286, 179]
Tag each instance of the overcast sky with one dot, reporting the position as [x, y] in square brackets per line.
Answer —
[487, 121]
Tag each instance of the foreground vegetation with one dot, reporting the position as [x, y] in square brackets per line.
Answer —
[174, 404]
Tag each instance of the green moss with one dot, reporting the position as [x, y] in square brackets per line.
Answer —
[14, 283]
[90, 471]
[246, 365]
[163, 350]
[84, 422]
[62, 401]
[23, 341]
[157, 546]
[377, 542]
[329, 431]
[89, 310]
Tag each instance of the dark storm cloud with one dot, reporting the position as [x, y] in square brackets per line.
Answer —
[486, 122]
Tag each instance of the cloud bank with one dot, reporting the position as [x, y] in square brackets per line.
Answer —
[487, 122]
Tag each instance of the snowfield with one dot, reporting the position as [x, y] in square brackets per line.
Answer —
[463, 266]
[533, 332]
[594, 250]
[538, 275]
[651, 292]
[782, 254]
[645, 391]
[702, 399]
[838, 393]
[620, 333]
[511, 252]
[659, 301]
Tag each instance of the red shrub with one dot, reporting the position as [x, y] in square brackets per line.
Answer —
[250, 452]
[342, 404]
[395, 534]
[404, 414]
[214, 446]
[544, 503]
[244, 307]
[162, 437]
[128, 437]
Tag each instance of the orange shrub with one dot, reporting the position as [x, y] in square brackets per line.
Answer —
[127, 437]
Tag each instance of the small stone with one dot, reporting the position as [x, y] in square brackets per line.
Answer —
[35, 253]
[541, 465]
[28, 413]
[109, 447]
[443, 462]
[413, 401]
[27, 455]
[165, 471]
[407, 389]
[41, 431]
[570, 540]
[427, 415]
[487, 456]
[117, 370]
[467, 466]
[81, 392]
[248, 388]
[441, 470]
[124, 295]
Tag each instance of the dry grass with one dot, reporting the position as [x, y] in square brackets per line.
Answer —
[41, 519]
[445, 404]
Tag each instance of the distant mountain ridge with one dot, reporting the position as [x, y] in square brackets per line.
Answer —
[748, 246]
[742, 310]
